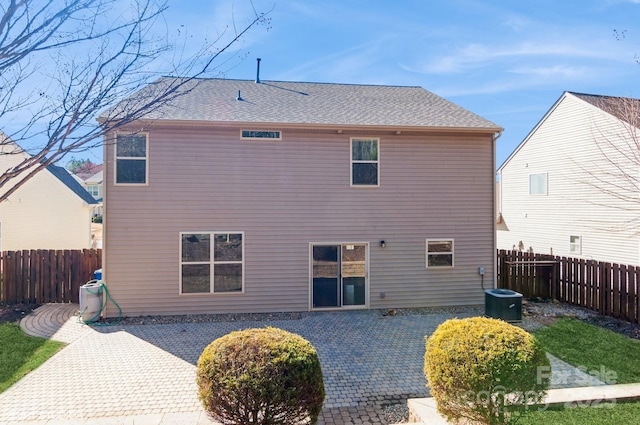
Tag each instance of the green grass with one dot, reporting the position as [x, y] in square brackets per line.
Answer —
[21, 353]
[606, 414]
[593, 348]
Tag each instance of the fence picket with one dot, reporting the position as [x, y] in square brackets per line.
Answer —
[43, 276]
[610, 289]
[632, 300]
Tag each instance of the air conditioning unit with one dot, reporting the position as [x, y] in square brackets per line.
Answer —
[503, 304]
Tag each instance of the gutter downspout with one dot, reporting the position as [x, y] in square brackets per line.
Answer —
[496, 136]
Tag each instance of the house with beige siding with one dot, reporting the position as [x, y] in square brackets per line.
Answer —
[572, 187]
[50, 211]
[269, 196]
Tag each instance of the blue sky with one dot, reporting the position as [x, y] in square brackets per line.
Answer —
[507, 61]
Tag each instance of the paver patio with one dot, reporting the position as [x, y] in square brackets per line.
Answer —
[368, 360]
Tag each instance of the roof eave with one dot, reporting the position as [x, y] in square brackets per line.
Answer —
[319, 126]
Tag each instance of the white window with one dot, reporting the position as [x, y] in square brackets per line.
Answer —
[365, 162]
[575, 245]
[261, 134]
[94, 190]
[211, 262]
[538, 184]
[131, 159]
[439, 252]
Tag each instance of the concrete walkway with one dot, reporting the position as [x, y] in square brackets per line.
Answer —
[145, 374]
[424, 410]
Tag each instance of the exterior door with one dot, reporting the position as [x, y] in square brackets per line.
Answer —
[339, 275]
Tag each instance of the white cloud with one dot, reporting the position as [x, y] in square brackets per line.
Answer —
[555, 71]
[477, 55]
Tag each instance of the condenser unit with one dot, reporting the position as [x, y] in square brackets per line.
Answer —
[503, 304]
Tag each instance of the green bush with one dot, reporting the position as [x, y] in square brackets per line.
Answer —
[261, 376]
[485, 370]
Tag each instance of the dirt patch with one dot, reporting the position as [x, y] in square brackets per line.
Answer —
[13, 313]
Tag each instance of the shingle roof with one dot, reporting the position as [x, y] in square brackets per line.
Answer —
[68, 180]
[277, 102]
[624, 108]
[86, 174]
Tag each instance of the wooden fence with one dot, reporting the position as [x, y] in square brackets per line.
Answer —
[610, 289]
[46, 276]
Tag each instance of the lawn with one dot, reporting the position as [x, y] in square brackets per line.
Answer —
[21, 353]
[598, 351]
[593, 348]
[607, 414]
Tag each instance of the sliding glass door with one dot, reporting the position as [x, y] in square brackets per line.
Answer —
[339, 275]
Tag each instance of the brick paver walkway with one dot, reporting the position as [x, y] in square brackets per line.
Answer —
[368, 360]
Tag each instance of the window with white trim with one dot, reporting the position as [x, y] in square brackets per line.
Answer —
[439, 253]
[260, 134]
[131, 159]
[211, 262]
[365, 162]
[538, 184]
[575, 245]
[94, 190]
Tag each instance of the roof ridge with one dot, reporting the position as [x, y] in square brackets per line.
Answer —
[602, 96]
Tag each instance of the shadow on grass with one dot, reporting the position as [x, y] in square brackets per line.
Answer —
[21, 353]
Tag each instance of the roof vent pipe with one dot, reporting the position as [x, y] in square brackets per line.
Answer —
[239, 96]
[258, 72]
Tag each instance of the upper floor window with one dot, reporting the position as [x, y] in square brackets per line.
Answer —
[94, 190]
[365, 162]
[439, 252]
[261, 134]
[538, 184]
[131, 158]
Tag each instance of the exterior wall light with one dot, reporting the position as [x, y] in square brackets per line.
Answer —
[382, 243]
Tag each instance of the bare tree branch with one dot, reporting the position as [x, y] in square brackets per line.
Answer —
[114, 59]
[616, 175]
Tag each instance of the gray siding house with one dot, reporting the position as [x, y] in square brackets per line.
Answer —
[288, 196]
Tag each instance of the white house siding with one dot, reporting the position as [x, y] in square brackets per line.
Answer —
[43, 214]
[287, 194]
[570, 145]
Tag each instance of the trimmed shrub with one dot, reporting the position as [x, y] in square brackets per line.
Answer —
[261, 376]
[485, 370]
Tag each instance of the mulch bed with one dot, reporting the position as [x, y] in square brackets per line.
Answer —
[539, 310]
[13, 313]
[546, 312]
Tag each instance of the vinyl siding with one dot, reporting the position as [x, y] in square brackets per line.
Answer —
[574, 145]
[43, 214]
[287, 194]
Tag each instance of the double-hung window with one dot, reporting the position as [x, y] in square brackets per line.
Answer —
[439, 253]
[211, 262]
[132, 159]
[365, 162]
[94, 190]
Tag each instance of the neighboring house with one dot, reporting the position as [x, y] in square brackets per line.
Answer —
[92, 181]
[50, 211]
[285, 196]
[571, 188]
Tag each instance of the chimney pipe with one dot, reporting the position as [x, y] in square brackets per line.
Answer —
[258, 72]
